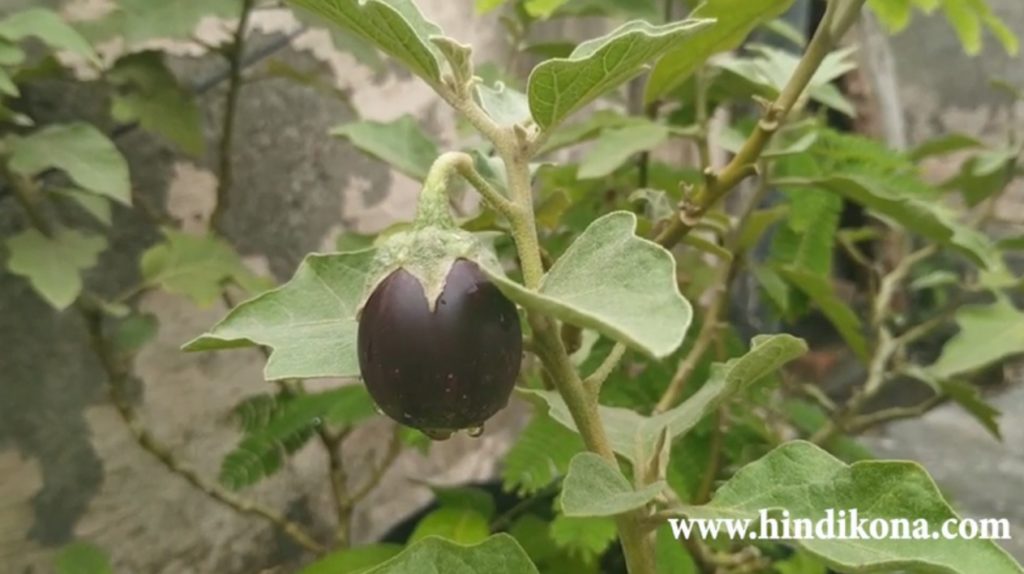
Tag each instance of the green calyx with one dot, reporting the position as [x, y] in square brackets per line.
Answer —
[430, 247]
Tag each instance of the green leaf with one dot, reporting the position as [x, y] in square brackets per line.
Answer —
[944, 144]
[767, 354]
[561, 86]
[929, 219]
[539, 456]
[82, 558]
[7, 85]
[134, 332]
[355, 560]
[988, 333]
[395, 26]
[401, 143]
[569, 135]
[543, 9]
[309, 323]
[476, 499]
[276, 426]
[196, 266]
[670, 556]
[615, 146]
[615, 283]
[594, 487]
[635, 436]
[658, 205]
[52, 264]
[734, 20]
[499, 554]
[819, 289]
[506, 106]
[47, 26]
[79, 149]
[965, 394]
[93, 204]
[484, 6]
[142, 20]
[458, 524]
[965, 22]
[893, 14]
[586, 538]
[804, 480]
[149, 93]
[534, 534]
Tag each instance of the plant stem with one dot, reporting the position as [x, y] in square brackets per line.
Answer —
[225, 172]
[117, 379]
[836, 21]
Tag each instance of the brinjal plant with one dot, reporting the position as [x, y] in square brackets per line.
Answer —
[656, 214]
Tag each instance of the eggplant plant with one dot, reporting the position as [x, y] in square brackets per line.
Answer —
[660, 212]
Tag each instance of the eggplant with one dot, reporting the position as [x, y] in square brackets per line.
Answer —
[444, 369]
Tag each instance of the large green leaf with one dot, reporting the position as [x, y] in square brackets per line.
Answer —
[988, 333]
[561, 86]
[309, 323]
[47, 26]
[52, 264]
[395, 26]
[142, 20]
[283, 425]
[499, 554]
[196, 266]
[595, 487]
[734, 20]
[635, 436]
[82, 558]
[149, 93]
[806, 481]
[615, 283]
[353, 560]
[615, 146]
[79, 149]
[401, 143]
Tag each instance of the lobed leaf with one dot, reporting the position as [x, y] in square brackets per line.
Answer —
[988, 333]
[595, 487]
[615, 283]
[196, 266]
[309, 323]
[805, 481]
[53, 264]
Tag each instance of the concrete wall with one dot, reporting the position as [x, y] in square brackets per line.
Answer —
[69, 469]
